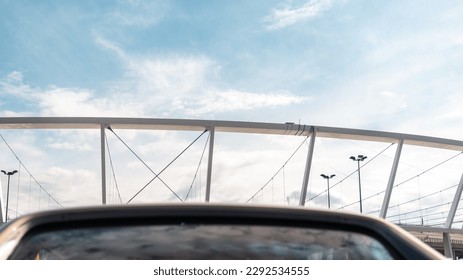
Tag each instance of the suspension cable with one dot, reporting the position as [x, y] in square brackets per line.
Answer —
[29, 200]
[146, 165]
[112, 169]
[352, 173]
[425, 196]
[427, 216]
[278, 171]
[156, 175]
[411, 178]
[141, 160]
[416, 211]
[197, 169]
[429, 169]
[40, 185]
[17, 190]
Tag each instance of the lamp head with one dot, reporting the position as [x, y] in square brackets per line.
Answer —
[9, 173]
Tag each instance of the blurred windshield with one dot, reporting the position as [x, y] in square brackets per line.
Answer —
[200, 242]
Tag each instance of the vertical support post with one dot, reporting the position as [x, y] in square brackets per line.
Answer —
[308, 164]
[209, 163]
[103, 163]
[390, 183]
[453, 208]
[448, 251]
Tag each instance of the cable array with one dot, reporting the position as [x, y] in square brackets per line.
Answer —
[405, 212]
[281, 169]
[349, 175]
[22, 166]
[113, 173]
[156, 175]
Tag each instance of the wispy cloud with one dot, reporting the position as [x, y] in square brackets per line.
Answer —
[171, 76]
[173, 86]
[167, 76]
[137, 13]
[288, 15]
[13, 85]
[58, 101]
[234, 100]
[82, 102]
[188, 85]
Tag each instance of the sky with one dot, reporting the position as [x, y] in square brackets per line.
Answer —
[391, 66]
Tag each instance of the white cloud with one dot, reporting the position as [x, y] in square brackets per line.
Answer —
[182, 85]
[56, 101]
[391, 99]
[71, 146]
[23, 145]
[79, 185]
[173, 85]
[103, 43]
[173, 76]
[166, 76]
[137, 13]
[81, 102]
[9, 113]
[286, 16]
[233, 100]
[14, 76]
[388, 94]
[13, 85]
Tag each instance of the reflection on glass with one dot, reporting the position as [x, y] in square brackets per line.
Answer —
[176, 242]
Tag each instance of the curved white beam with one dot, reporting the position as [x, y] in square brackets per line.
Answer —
[226, 126]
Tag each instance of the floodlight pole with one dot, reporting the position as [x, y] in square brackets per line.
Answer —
[8, 191]
[358, 159]
[328, 187]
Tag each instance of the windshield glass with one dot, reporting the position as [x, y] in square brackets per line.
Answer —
[200, 242]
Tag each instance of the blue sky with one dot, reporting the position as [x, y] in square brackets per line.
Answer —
[381, 65]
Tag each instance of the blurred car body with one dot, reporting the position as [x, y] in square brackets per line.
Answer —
[206, 231]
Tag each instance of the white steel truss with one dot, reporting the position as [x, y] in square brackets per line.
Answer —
[214, 126]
